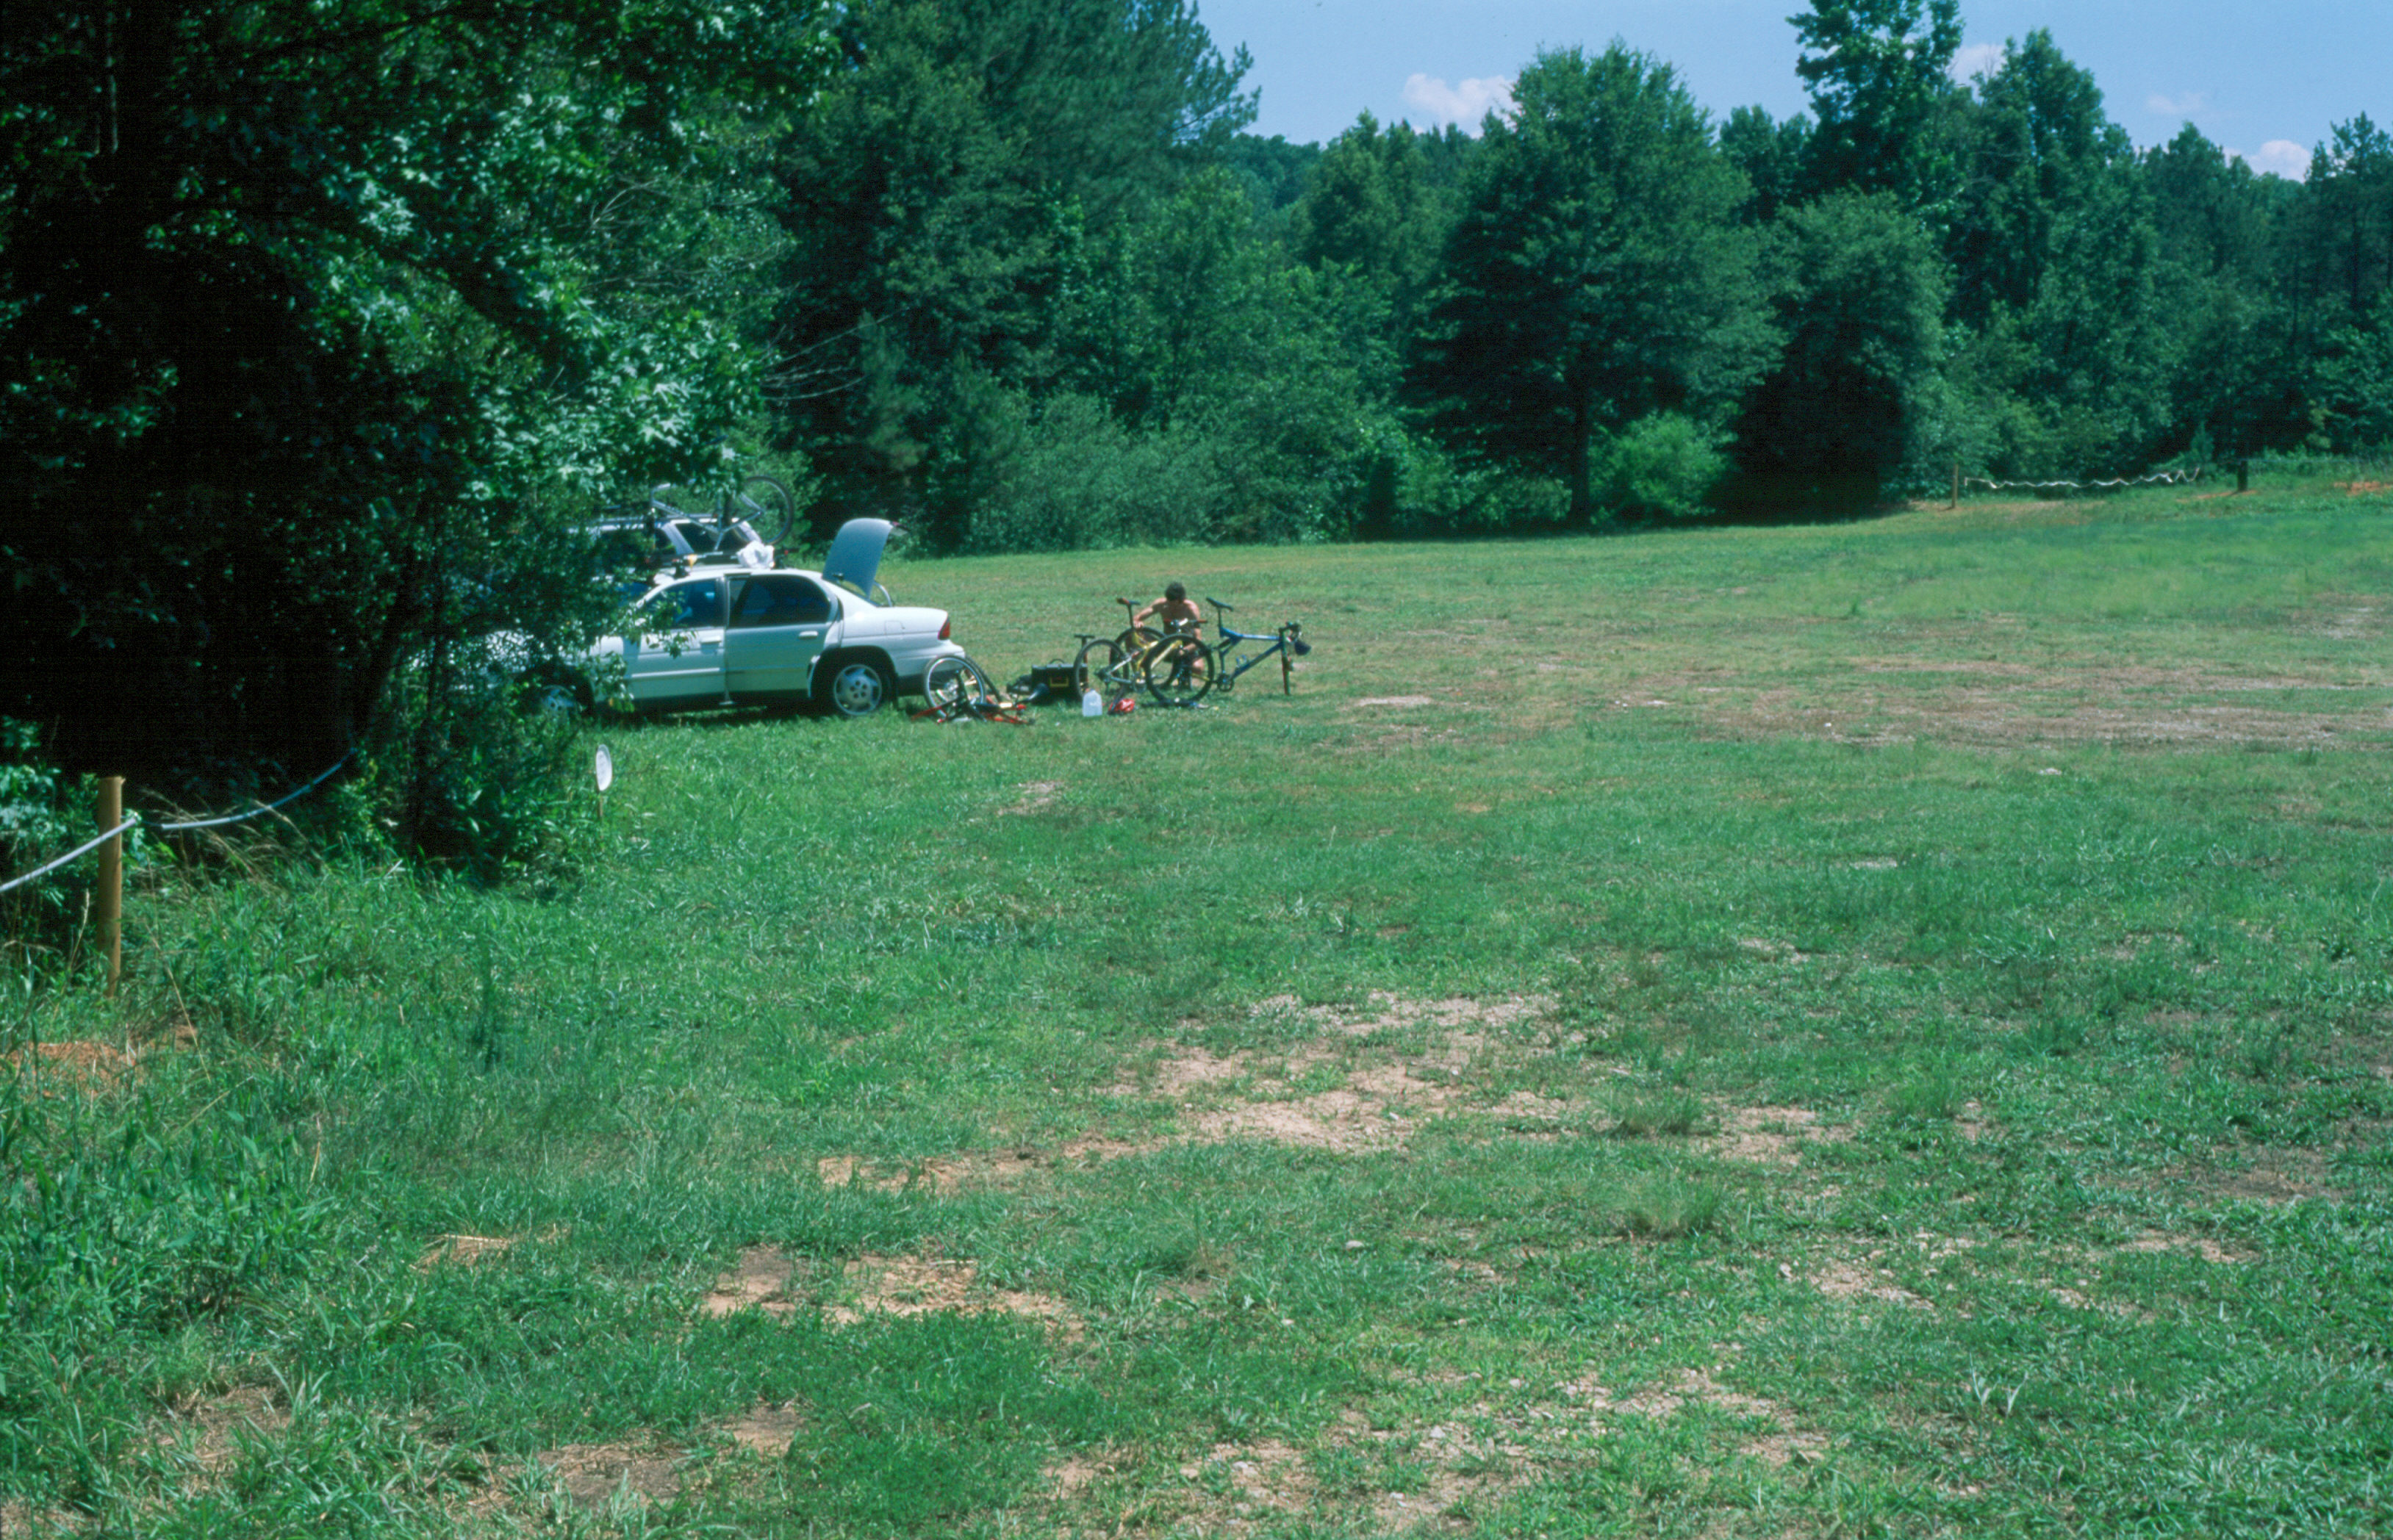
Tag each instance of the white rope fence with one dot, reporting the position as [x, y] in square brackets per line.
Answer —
[89, 846]
[83, 849]
[2158, 478]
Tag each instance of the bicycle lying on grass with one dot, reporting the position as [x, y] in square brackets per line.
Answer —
[1182, 670]
[954, 689]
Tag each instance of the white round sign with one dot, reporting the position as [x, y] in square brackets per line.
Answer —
[603, 766]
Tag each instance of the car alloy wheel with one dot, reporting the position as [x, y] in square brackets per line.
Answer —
[858, 688]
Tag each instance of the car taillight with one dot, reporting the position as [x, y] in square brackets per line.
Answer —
[946, 629]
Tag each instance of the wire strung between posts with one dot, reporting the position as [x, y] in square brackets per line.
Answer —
[79, 849]
[2158, 478]
[89, 846]
[257, 812]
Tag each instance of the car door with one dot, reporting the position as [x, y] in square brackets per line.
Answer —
[672, 654]
[778, 620]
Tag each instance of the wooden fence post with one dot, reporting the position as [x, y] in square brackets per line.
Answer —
[109, 892]
[1956, 483]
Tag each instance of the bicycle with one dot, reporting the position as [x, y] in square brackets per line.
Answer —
[1180, 670]
[954, 689]
[761, 502]
[761, 510]
[1113, 666]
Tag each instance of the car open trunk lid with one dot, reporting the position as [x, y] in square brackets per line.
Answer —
[855, 558]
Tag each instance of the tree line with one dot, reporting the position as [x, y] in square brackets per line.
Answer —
[324, 323]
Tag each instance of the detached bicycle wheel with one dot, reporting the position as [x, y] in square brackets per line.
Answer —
[1103, 667]
[1179, 671]
[950, 683]
[768, 507]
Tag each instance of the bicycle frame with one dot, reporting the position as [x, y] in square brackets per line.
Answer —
[1287, 644]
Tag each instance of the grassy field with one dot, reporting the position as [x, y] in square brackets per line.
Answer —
[1879, 1029]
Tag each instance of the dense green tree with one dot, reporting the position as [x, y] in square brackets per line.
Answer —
[1370, 205]
[1274, 170]
[2237, 385]
[945, 196]
[1860, 300]
[1876, 73]
[1595, 275]
[2347, 232]
[2038, 146]
[319, 318]
[1773, 156]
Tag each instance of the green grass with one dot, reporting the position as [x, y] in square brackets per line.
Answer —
[1866, 1030]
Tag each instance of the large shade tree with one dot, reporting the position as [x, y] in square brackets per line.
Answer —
[1596, 275]
[317, 319]
[1876, 73]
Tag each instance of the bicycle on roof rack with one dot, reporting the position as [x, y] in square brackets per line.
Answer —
[1182, 670]
[759, 511]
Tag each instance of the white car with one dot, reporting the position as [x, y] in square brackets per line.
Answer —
[737, 635]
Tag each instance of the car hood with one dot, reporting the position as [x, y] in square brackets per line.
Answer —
[855, 558]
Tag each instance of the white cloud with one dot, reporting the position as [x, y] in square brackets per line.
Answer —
[1467, 104]
[1977, 59]
[2190, 105]
[2283, 157]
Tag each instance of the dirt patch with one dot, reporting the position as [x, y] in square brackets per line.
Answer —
[1035, 796]
[1076, 1473]
[1396, 700]
[1771, 1136]
[1382, 1011]
[1279, 1098]
[1778, 1450]
[2271, 1176]
[592, 1475]
[213, 1424]
[18, 1517]
[919, 1286]
[1243, 1478]
[761, 1281]
[2189, 1245]
[463, 1250]
[77, 1066]
[943, 1175]
[1346, 1121]
[765, 1428]
[1859, 1280]
[1786, 1444]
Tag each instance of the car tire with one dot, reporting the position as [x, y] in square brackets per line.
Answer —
[562, 692]
[856, 686]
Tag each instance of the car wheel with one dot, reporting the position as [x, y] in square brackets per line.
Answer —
[858, 687]
[562, 693]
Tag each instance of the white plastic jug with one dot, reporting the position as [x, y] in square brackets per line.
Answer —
[1091, 703]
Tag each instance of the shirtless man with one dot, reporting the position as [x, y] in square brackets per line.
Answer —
[1174, 613]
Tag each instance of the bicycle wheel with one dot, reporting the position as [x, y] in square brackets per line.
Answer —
[1179, 671]
[950, 683]
[1102, 666]
[766, 504]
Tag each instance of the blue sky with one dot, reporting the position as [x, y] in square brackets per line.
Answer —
[2264, 81]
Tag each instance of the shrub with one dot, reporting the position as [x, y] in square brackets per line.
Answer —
[1661, 467]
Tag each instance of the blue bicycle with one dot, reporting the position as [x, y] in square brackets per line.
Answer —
[1180, 670]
